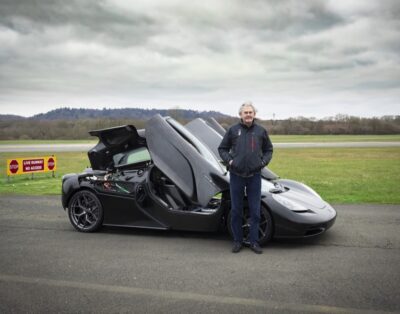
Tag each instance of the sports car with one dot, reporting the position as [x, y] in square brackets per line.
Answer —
[170, 176]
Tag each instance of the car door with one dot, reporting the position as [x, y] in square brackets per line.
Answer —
[186, 161]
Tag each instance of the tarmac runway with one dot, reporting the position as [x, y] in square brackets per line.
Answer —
[85, 147]
[47, 266]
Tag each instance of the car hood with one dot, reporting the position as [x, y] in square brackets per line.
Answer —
[299, 196]
[307, 200]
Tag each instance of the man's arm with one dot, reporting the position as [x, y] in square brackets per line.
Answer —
[267, 149]
[225, 147]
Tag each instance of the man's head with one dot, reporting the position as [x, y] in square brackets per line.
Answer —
[247, 113]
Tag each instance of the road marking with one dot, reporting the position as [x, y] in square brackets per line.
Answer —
[184, 296]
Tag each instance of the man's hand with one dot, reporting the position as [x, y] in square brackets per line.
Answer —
[230, 162]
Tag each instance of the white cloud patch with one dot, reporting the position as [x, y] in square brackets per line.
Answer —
[291, 58]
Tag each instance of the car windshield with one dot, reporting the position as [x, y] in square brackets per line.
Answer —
[133, 156]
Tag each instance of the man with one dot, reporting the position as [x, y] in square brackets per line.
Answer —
[246, 148]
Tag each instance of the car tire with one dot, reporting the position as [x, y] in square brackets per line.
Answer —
[85, 211]
[265, 229]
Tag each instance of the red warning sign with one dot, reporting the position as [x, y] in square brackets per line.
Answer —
[51, 163]
[13, 166]
[30, 165]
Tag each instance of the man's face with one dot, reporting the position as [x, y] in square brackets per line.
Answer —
[247, 115]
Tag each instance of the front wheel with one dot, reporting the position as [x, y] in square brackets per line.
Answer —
[265, 229]
[85, 211]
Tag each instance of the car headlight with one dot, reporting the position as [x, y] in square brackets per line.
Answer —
[293, 206]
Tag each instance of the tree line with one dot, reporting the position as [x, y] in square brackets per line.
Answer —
[25, 129]
[339, 124]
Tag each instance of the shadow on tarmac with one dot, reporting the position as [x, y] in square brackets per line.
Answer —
[290, 243]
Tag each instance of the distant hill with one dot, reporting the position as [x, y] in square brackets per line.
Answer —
[4, 117]
[121, 113]
[133, 113]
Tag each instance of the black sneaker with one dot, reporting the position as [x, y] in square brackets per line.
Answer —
[256, 248]
[237, 246]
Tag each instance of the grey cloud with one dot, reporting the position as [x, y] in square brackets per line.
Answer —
[353, 50]
[89, 20]
[366, 62]
[313, 64]
[374, 84]
[388, 9]
[311, 47]
[290, 18]
[326, 66]
[228, 50]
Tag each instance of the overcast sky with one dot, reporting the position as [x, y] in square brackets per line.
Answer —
[291, 58]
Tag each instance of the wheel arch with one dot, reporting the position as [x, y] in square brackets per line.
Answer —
[76, 190]
[86, 210]
[265, 205]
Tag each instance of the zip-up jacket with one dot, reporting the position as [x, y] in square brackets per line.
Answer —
[249, 148]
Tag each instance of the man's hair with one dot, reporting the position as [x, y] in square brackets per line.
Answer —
[247, 104]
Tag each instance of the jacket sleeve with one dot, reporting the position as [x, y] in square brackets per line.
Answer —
[267, 149]
[225, 147]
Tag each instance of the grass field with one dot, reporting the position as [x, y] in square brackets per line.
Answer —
[43, 183]
[340, 175]
[334, 138]
[344, 175]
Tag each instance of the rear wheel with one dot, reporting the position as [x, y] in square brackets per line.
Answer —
[265, 229]
[85, 211]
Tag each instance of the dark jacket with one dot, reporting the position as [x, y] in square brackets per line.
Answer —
[249, 148]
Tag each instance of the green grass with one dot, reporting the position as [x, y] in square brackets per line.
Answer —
[339, 175]
[334, 138]
[43, 183]
[344, 175]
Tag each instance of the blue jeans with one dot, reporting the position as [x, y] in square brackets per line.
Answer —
[252, 185]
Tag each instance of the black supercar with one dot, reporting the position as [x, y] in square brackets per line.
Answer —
[169, 176]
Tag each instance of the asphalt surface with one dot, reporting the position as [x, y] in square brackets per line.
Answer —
[47, 266]
[85, 147]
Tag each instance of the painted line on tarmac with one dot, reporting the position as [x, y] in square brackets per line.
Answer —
[184, 296]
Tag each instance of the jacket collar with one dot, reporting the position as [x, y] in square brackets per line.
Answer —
[245, 125]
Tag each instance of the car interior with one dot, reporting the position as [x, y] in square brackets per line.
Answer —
[133, 168]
